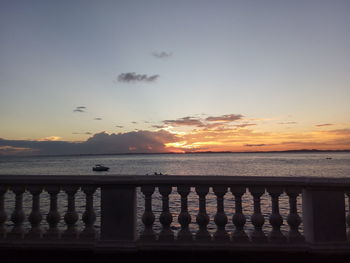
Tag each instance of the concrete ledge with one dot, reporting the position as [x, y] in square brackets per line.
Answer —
[138, 180]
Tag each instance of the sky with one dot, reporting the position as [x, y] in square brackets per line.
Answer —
[173, 76]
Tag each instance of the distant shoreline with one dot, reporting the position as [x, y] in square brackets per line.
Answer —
[203, 152]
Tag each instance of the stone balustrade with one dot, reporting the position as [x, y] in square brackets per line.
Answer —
[323, 216]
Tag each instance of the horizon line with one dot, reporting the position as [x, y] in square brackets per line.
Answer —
[199, 152]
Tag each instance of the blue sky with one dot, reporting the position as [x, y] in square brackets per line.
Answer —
[273, 61]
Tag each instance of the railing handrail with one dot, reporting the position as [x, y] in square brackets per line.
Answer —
[139, 180]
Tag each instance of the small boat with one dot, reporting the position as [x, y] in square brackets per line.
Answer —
[100, 168]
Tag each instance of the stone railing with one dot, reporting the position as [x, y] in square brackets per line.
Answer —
[115, 197]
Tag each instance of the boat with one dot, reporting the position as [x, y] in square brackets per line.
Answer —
[100, 168]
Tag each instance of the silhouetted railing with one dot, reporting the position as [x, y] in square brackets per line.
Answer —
[115, 200]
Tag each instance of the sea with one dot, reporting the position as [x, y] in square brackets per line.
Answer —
[320, 164]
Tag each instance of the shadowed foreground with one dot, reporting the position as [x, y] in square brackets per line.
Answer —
[164, 256]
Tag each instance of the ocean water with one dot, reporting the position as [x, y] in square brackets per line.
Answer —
[233, 164]
[237, 164]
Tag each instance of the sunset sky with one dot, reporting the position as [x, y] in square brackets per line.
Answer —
[173, 76]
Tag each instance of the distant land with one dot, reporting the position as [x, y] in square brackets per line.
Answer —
[202, 152]
[286, 151]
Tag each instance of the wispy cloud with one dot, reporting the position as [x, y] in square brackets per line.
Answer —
[162, 54]
[287, 123]
[133, 77]
[211, 122]
[340, 132]
[225, 118]
[256, 145]
[158, 126]
[243, 125]
[324, 124]
[119, 126]
[80, 109]
[84, 133]
[98, 119]
[185, 121]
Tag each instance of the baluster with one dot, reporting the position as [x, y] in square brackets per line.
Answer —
[3, 215]
[89, 216]
[202, 218]
[293, 218]
[257, 218]
[35, 216]
[166, 234]
[184, 217]
[276, 219]
[53, 217]
[71, 216]
[148, 216]
[238, 219]
[18, 215]
[220, 218]
[348, 217]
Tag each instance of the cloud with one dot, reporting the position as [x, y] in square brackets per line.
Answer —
[119, 126]
[134, 122]
[225, 118]
[158, 126]
[80, 109]
[10, 150]
[256, 145]
[98, 119]
[100, 143]
[289, 122]
[185, 121]
[324, 124]
[133, 77]
[162, 54]
[243, 125]
[51, 138]
[340, 132]
[223, 122]
[85, 133]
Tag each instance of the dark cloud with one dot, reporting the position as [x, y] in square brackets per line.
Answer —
[324, 124]
[243, 125]
[80, 109]
[185, 121]
[100, 143]
[162, 54]
[119, 126]
[212, 122]
[133, 77]
[158, 126]
[134, 122]
[289, 122]
[256, 145]
[225, 118]
[85, 133]
[98, 119]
